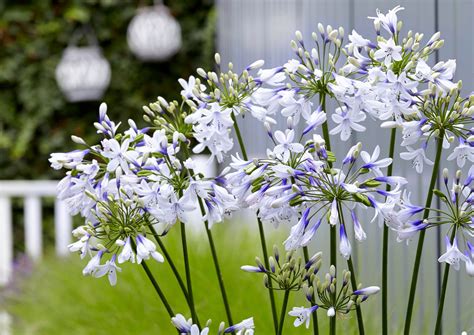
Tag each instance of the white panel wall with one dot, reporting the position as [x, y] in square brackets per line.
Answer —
[250, 30]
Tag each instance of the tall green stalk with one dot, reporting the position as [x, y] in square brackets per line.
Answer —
[188, 275]
[393, 136]
[313, 299]
[332, 325]
[169, 260]
[283, 312]
[158, 289]
[439, 317]
[215, 258]
[155, 284]
[217, 267]
[260, 230]
[360, 320]
[419, 249]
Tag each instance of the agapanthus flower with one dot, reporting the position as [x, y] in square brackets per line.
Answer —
[391, 81]
[458, 215]
[130, 186]
[303, 315]
[336, 300]
[303, 188]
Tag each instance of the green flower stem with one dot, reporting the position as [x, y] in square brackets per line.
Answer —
[261, 231]
[313, 299]
[327, 139]
[215, 258]
[171, 263]
[332, 325]
[239, 137]
[439, 317]
[393, 136]
[419, 249]
[158, 289]
[283, 312]
[188, 275]
[220, 278]
[155, 284]
[360, 319]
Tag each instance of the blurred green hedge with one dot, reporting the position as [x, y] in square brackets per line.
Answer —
[35, 120]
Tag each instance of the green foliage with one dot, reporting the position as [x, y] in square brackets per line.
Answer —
[35, 120]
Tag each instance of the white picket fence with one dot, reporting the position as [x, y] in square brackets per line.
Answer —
[32, 192]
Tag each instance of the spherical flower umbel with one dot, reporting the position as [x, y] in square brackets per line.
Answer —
[303, 189]
[459, 217]
[132, 187]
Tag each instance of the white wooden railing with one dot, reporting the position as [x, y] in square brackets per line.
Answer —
[32, 192]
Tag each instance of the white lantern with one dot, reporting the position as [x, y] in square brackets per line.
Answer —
[154, 34]
[83, 74]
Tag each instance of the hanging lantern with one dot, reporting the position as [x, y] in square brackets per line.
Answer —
[154, 34]
[83, 74]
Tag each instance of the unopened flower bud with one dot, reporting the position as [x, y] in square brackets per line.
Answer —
[78, 140]
[299, 36]
[217, 58]
[399, 25]
[350, 304]
[221, 327]
[333, 35]
[367, 290]
[426, 128]
[341, 32]
[377, 25]
[201, 72]
[331, 312]
[321, 28]
[265, 280]
[276, 253]
[354, 61]
[271, 262]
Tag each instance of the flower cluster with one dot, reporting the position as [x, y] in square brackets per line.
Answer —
[218, 101]
[245, 327]
[286, 274]
[290, 274]
[459, 216]
[132, 184]
[334, 302]
[298, 185]
[391, 81]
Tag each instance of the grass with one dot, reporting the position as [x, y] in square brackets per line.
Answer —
[57, 299]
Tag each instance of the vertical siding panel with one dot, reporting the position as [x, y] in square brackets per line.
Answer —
[262, 29]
